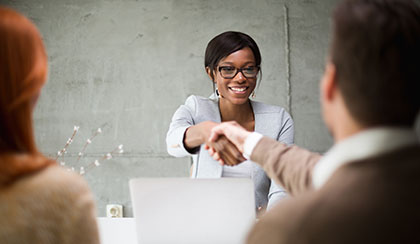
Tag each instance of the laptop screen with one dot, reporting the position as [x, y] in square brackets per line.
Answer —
[185, 210]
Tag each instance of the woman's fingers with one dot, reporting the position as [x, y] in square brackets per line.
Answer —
[228, 158]
[220, 153]
[216, 156]
[230, 154]
[211, 150]
[237, 155]
[226, 151]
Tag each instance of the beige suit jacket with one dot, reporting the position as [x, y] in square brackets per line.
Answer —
[375, 200]
[52, 206]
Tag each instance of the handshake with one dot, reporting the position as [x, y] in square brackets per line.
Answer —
[226, 143]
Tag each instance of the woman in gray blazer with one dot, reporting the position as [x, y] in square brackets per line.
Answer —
[232, 61]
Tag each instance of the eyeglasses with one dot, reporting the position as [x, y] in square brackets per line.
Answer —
[228, 72]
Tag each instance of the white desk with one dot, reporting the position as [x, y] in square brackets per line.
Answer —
[117, 230]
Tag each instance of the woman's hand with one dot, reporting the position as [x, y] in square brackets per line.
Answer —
[224, 151]
[198, 134]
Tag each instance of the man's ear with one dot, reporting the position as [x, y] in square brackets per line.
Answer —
[329, 83]
[210, 73]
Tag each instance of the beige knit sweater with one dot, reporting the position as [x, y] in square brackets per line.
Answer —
[50, 206]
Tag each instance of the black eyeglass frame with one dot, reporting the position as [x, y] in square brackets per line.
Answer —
[237, 71]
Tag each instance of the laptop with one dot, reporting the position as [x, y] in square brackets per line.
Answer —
[117, 230]
[185, 210]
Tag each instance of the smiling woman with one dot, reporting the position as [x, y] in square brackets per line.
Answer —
[233, 63]
[236, 91]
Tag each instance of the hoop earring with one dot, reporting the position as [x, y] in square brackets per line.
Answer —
[253, 94]
[217, 92]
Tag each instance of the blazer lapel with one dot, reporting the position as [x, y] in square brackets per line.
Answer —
[259, 118]
[214, 169]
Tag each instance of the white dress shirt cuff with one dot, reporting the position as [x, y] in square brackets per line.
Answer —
[250, 143]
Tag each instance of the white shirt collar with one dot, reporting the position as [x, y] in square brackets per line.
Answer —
[365, 144]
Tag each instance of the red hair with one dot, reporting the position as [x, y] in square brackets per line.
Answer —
[23, 71]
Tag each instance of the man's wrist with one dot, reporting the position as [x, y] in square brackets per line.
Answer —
[250, 143]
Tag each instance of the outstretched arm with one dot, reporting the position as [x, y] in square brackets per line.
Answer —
[290, 166]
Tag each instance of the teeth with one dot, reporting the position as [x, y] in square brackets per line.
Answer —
[238, 89]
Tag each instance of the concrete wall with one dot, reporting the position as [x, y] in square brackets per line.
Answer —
[126, 65]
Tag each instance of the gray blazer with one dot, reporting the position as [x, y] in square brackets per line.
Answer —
[271, 121]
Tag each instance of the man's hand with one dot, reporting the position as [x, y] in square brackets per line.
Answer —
[235, 134]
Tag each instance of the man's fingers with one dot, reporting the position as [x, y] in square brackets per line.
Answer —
[216, 156]
[221, 129]
[210, 149]
[215, 133]
[221, 162]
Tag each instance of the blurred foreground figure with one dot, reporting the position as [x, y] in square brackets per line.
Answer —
[40, 202]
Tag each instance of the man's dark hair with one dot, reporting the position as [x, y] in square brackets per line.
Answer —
[376, 52]
[226, 43]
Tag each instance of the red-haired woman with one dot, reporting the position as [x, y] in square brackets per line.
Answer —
[40, 202]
